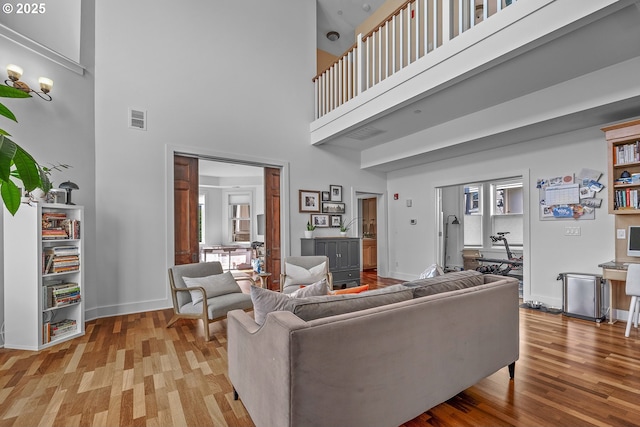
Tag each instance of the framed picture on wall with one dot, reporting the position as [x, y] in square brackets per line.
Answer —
[336, 220]
[333, 208]
[320, 220]
[336, 193]
[309, 201]
[326, 196]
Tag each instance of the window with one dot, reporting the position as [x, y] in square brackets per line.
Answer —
[490, 208]
[240, 217]
[473, 215]
[508, 198]
[507, 210]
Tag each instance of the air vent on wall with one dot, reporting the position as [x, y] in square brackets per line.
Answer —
[364, 133]
[137, 119]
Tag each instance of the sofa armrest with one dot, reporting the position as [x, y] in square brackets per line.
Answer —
[259, 359]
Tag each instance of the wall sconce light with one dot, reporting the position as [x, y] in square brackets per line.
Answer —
[14, 73]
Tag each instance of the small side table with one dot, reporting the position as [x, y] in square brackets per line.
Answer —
[264, 279]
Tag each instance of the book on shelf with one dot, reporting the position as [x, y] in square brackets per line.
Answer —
[56, 330]
[56, 225]
[60, 259]
[627, 153]
[61, 294]
[46, 332]
[54, 233]
[63, 327]
[53, 216]
[72, 228]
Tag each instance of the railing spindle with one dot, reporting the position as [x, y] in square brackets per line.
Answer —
[399, 40]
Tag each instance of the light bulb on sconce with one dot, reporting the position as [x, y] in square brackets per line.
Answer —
[14, 73]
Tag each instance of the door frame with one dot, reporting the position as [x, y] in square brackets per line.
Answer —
[382, 229]
[213, 155]
[433, 189]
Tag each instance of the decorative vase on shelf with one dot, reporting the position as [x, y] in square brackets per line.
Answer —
[308, 234]
[343, 233]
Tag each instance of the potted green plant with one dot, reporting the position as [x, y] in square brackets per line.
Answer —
[308, 233]
[345, 226]
[16, 164]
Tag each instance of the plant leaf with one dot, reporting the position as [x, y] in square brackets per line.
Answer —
[11, 92]
[7, 151]
[45, 182]
[4, 132]
[10, 196]
[4, 111]
[27, 168]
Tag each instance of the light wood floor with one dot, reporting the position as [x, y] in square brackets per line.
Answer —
[132, 371]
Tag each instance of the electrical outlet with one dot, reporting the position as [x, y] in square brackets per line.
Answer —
[621, 233]
[572, 231]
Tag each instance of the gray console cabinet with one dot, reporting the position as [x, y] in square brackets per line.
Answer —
[343, 254]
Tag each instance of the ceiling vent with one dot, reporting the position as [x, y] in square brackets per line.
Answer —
[137, 119]
[363, 133]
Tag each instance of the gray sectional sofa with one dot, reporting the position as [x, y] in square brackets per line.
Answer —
[378, 366]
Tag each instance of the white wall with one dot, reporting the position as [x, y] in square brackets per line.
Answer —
[549, 251]
[212, 77]
[60, 131]
[213, 222]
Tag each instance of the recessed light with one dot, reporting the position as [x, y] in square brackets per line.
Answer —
[333, 35]
[366, 7]
[339, 12]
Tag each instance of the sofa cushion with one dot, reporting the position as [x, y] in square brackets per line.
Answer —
[445, 283]
[214, 285]
[315, 307]
[331, 305]
[316, 289]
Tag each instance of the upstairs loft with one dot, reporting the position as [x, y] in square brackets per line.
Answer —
[442, 78]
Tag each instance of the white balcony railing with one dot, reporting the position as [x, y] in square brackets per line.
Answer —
[412, 31]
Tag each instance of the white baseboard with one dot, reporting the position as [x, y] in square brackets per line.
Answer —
[122, 309]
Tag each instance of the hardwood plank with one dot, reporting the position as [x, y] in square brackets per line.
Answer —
[131, 370]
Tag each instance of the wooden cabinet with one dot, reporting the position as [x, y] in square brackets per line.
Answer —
[623, 154]
[343, 254]
[43, 275]
[369, 254]
[623, 148]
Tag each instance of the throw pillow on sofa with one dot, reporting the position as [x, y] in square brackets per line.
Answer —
[354, 290]
[445, 283]
[265, 301]
[297, 275]
[215, 285]
[316, 289]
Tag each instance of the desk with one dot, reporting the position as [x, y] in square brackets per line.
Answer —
[614, 272]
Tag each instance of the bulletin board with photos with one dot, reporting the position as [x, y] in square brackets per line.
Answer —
[570, 196]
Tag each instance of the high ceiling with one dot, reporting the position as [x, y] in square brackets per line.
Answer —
[342, 16]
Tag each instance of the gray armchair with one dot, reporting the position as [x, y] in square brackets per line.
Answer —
[221, 299]
[304, 270]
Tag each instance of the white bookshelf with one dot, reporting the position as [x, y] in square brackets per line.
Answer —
[26, 310]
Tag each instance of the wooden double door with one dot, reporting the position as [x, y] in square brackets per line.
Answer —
[186, 241]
